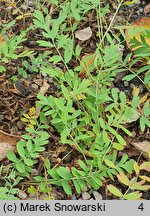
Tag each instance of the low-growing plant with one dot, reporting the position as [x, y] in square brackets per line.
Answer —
[88, 113]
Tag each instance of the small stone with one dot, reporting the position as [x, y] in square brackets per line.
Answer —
[20, 125]
[35, 86]
[132, 85]
[86, 196]
[139, 12]
[31, 3]
[22, 195]
[73, 197]
[126, 83]
[24, 7]
[118, 90]
[141, 88]
[58, 87]
[97, 195]
[2, 117]
[43, 196]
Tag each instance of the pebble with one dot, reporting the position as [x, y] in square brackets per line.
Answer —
[143, 3]
[43, 196]
[132, 85]
[117, 90]
[2, 117]
[139, 11]
[31, 3]
[35, 86]
[73, 197]
[97, 195]
[24, 7]
[141, 88]
[126, 83]
[22, 195]
[86, 196]
[20, 125]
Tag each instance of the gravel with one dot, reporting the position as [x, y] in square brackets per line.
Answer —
[97, 196]
[86, 196]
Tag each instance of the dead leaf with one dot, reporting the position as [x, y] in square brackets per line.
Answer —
[136, 29]
[83, 34]
[143, 147]
[2, 40]
[86, 62]
[7, 142]
[3, 148]
[147, 9]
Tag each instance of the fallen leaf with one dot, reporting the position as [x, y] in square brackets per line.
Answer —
[83, 34]
[86, 62]
[7, 142]
[147, 9]
[143, 147]
[3, 148]
[136, 29]
[2, 40]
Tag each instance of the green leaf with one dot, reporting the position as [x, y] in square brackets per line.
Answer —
[28, 161]
[66, 187]
[64, 173]
[114, 94]
[133, 196]
[109, 163]
[11, 156]
[29, 145]
[54, 30]
[118, 146]
[65, 92]
[55, 59]
[2, 69]
[45, 43]
[47, 164]
[92, 183]
[77, 186]
[20, 149]
[146, 109]
[114, 191]
[135, 101]
[129, 77]
[120, 139]
[142, 123]
[39, 16]
[83, 165]
[20, 167]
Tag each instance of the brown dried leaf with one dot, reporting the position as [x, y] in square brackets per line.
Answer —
[143, 147]
[147, 9]
[86, 62]
[83, 34]
[2, 40]
[7, 142]
[136, 29]
[3, 148]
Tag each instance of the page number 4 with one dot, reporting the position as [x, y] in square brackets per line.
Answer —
[141, 207]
